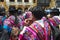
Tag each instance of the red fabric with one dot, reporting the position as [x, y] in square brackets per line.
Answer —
[21, 37]
[52, 21]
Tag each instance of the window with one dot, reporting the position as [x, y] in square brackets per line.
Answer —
[19, 0]
[43, 2]
[26, 0]
[12, 0]
[1, 0]
[58, 3]
[34, 1]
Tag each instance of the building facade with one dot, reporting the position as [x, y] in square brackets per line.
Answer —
[22, 4]
[47, 3]
[3, 3]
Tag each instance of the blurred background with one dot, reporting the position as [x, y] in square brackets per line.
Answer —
[26, 4]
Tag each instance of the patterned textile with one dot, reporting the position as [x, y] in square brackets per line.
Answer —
[30, 33]
[28, 14]
[54, 20]
[21, 18]
[21, 22]
[8, 23]
[57, 19]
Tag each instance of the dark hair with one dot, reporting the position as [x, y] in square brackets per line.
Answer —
[19, 11]
[37, 12]
[12, 10]
[55, 12]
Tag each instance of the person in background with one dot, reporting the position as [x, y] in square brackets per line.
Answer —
[2, 16]
[23, 17]
[20, 18]
[28, 21]
[56, 15]
[9, 22]
[53, 18]
[3, 33]
[39, 29]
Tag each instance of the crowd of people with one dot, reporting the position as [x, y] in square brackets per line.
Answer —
[33, 24]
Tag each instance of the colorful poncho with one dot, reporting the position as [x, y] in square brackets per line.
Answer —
[40, 26]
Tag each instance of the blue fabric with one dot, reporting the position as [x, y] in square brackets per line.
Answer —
[3, 18]
[1, 27]
[6, 27]
[48, 11]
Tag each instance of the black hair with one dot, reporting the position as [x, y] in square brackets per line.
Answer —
[12, 10]
[55, 12]
[38, 13]
[19, 11]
